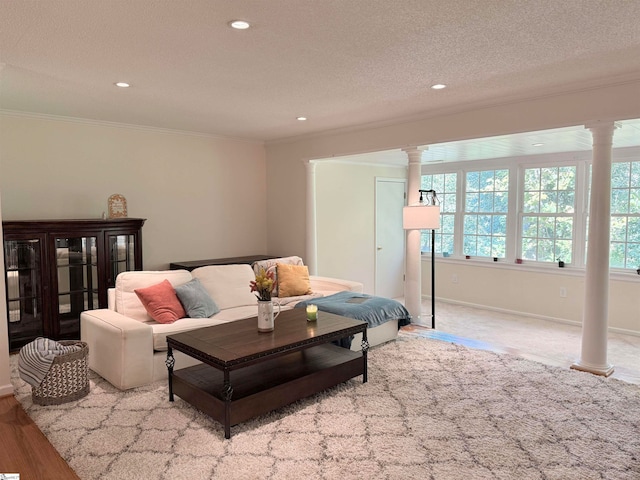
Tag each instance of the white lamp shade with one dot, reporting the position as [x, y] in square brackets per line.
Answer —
[419, 217]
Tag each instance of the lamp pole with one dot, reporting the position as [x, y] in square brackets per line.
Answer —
[433, 278]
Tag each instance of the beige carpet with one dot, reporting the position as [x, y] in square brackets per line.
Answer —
[430, 410]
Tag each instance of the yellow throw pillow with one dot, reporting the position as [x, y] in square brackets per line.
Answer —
[293, 280]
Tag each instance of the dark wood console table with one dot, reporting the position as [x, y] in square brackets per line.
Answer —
[218, 261]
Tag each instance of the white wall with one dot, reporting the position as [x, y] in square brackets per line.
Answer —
[202, 196]
[511, 290]
[5, 372]
[345, 219]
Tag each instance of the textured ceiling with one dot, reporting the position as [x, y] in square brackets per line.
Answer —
[341, 63]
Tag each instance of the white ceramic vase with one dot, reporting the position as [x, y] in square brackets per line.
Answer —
[266, 317]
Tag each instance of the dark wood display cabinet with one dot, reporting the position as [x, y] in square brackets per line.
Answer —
[56, 269]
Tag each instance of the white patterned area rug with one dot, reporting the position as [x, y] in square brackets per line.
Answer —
[431, 410]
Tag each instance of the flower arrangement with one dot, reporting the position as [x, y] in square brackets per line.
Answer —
[263, 285]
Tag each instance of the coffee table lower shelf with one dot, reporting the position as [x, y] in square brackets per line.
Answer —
[268, 385]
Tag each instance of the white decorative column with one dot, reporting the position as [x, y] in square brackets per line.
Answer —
[413, 267]
[311, 256]
[593, 358]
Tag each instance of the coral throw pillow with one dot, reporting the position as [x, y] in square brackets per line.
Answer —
[161, 302]
[293, 280]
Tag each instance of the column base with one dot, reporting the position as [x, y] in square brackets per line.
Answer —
[604, 372]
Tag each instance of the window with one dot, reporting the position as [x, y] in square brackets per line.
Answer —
[445, 186]
[485, 218]
[625, 215]
[548, 214]
[533, 208]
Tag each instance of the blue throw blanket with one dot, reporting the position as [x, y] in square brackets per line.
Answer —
[360, 306]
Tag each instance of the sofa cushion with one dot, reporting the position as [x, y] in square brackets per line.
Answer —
[293, 280]
[270, 265]
[161, 302]
[228, 285]
[127, 302]
[196, 300]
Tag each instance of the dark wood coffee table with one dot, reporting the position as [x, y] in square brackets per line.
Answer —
[246, 373]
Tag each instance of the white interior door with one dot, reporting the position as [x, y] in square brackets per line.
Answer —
[390, 237]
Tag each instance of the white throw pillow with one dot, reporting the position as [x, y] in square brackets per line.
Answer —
[228, 285]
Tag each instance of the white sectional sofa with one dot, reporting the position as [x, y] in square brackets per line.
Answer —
[128, 348]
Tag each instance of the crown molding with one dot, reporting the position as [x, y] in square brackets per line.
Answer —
[128, 126]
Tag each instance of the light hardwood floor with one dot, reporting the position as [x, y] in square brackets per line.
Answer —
[25, 450]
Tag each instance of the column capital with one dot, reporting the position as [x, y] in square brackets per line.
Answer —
[414, 154]
[602, 129]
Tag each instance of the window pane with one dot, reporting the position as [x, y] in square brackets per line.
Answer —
[563, 251]
[498, 247]
[484, 246]
[633, 255]
[566, 201]
[633, 229]
[484, 224]
[447, 224]
[634, 200]
[438, 183]
[472, 202]
[566, 178]
[620, 200]
[530, 227]
[450, 182]
[564, 227]
[617, 257]
[448, 202]
[470, 224]
[486, 180]
[529, 249]
[499, 225]
[502, 180]
[620, 175]
[545, 251]
[546, 226]
[473, 181]
[532, 179]
[531, 202]
[549, 202]
[447, 243]
[501, 202]
[486, 202]
[618, 229]
[549, 179]
[469, 247]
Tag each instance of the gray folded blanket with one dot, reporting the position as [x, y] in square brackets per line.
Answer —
[35, 358]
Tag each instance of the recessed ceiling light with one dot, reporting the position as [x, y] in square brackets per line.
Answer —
[537, 144]
[302, 119]
[438, 86]
[239, 24]
[122, 84]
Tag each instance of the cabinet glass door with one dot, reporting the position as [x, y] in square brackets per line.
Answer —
[122, 256]
[77, 271]
[23, 264]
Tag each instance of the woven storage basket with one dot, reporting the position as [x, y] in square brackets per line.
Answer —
[67, 379]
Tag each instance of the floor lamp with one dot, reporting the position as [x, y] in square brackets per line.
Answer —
[422, 216]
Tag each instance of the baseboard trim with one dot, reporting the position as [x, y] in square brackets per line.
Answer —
[6, 390]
